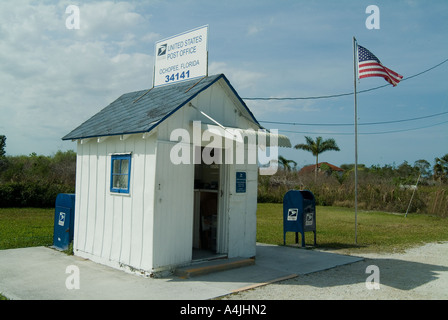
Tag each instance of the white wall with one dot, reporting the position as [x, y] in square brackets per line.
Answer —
[114, 228]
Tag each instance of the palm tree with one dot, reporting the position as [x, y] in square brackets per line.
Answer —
[317, 147]
[286, 163]
[441, 168]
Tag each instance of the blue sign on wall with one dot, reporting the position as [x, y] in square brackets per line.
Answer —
[240, 182]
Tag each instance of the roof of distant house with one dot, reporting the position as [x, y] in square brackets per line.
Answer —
[312, 167]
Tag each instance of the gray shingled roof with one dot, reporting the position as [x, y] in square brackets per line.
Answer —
[141, 111]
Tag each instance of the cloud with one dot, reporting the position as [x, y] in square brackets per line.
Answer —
[265, 110]
[240, 78]
[253, 30]
[53, 78]
[249, 83]
[150, 37]
[107, 19]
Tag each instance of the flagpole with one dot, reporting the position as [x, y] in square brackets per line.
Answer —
[355, 49]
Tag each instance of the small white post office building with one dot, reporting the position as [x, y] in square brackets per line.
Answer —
[139, 210]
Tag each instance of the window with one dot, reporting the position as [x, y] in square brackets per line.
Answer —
[120, 173]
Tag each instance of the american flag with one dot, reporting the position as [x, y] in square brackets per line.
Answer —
[370, 66]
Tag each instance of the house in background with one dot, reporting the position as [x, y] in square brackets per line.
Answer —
[136, 209]
[320, 167]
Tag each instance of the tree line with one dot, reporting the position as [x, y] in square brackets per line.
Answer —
[386, 188]
[35, 180]
[402, 173]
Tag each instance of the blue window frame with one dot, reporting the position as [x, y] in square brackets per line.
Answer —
[120, 175]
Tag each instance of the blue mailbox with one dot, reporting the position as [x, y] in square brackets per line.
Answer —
[299, 214]
[63, 220]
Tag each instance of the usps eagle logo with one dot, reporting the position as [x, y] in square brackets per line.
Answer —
[162, 50]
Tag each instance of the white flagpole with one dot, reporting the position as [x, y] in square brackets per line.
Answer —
[355, 58]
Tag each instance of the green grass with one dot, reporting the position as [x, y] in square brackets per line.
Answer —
[377, 231]
[26, 227]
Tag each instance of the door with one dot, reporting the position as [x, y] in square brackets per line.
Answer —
[209, 210]
[173, 209]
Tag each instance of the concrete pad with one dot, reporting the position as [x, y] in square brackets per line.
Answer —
[40, 273]
[299, 260]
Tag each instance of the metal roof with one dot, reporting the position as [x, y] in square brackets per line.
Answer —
[141, 111]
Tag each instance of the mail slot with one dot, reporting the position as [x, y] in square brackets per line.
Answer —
[299, 214]
[64, 215]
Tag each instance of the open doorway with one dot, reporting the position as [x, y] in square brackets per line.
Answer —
[206, 210]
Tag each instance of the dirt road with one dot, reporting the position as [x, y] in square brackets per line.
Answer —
[419, 273]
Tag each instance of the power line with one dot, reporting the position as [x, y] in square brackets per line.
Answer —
[348, 93]
[405, 130]
[365, 133]
[351, 124]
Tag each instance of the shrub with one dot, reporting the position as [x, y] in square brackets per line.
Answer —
[35, 181]
[30, 194]
[374, 192]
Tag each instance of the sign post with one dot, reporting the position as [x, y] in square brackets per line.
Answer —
[181, 57]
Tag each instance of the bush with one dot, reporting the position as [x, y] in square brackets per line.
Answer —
[30, 194]
[374, 192]
[35, 181]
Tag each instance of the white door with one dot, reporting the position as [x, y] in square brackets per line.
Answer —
[173, 213]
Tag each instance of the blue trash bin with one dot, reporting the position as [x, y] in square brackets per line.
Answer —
[299, 214]
[64, 217]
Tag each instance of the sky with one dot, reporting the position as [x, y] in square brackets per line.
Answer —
[53, 78]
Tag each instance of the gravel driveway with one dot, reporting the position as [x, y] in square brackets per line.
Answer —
[418, 273]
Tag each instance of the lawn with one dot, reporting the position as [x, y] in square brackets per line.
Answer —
[377, 231]
[26, 227]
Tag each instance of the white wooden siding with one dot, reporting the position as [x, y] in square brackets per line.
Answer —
[115, 229]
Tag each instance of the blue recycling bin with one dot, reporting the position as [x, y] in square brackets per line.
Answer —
[64, 217]
[299, 214]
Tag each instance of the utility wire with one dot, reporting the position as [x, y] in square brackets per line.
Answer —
[405, 130]
[365, 133]
[348, 93]
[351, 124]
